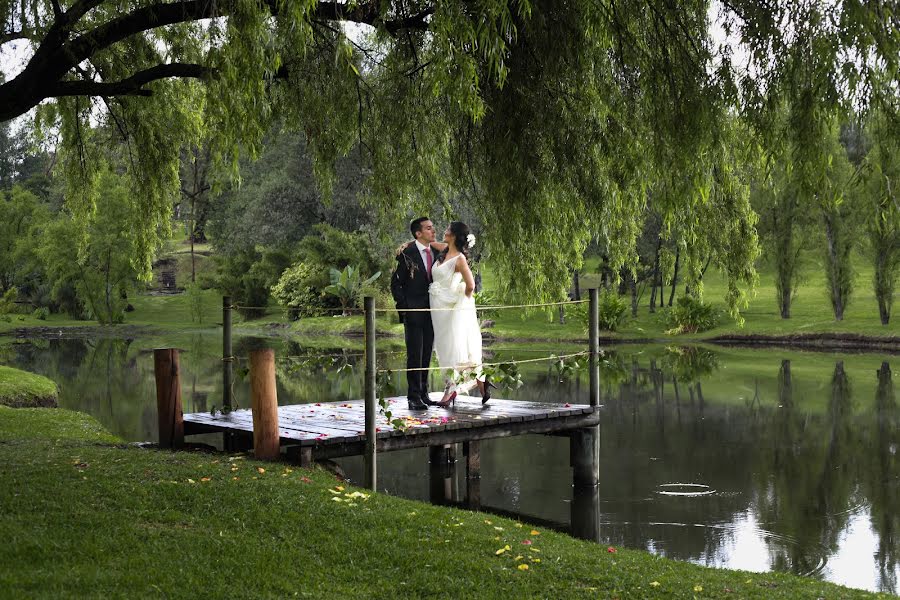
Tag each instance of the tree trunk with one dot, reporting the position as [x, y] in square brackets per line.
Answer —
[785, 385]
[837, 259]
[576, 283]
[675, 276]
[634, 295]
[655, 277]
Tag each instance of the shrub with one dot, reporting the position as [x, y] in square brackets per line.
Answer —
[611, 308]
[691, 315]
[8, 301]
[347, 286]
[41, 313]
[296, 291]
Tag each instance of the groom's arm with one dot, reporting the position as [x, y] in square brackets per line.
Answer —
[398, 283]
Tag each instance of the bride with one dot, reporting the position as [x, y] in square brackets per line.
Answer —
[457, 335]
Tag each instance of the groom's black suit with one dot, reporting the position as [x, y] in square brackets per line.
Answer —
[409, 286]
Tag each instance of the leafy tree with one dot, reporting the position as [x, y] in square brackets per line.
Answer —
[296, 292]
[554, 114]
[96, 257]
[881, 182]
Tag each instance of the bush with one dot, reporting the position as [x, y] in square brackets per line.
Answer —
[691, 315]
[8, 301]
[296, 291]
[611, 309]
[41, 313]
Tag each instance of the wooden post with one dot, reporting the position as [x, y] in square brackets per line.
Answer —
[586, 512]
[442, 474]
[472, 452]
[584, 448]
[168, 398]
[594, 345]
[264, 403]
[371, 469]
[227, 356]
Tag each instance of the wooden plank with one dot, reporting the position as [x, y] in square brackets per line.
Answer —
[456, 436]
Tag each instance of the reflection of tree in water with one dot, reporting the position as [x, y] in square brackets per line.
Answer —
[884, 484]
[318, 374]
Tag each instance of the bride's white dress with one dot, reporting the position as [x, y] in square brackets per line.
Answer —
[457, 336]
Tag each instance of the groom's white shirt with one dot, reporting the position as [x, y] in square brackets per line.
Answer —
[423, 250]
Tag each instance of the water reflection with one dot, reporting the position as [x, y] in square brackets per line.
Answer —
[758, 460]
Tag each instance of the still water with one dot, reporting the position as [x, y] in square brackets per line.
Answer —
[759, 460]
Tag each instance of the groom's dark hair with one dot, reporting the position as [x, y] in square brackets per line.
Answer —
[415, 225]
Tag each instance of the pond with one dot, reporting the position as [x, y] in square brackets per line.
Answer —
[764, 460]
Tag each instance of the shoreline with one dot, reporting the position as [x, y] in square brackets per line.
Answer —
[833, 341]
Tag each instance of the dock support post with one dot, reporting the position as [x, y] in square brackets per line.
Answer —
[584, 446]
[594, 345]
[585, 457]
[264, 403]
[472, 452]
[442, 473]
[371, 468]
[168, 398]
[227, 356]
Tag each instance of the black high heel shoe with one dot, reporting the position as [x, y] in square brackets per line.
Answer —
[486, 394]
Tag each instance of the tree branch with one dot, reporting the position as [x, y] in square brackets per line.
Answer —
[57, 54]
[132, 86]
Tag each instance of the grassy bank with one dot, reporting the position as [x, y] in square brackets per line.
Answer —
[23, 389]
[89, 516]
[811, 314]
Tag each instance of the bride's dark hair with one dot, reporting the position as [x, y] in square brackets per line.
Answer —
[460, 233]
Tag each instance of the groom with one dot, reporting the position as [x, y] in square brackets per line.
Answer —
[409, 286]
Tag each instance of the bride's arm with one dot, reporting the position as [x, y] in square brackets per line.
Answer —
[439, 246]
[462, 266]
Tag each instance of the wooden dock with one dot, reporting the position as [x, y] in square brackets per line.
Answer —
[325, 430]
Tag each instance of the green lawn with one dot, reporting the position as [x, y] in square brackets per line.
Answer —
[24, 389]
[85, 515]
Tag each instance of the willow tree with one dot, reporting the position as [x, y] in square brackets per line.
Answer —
[556, 114]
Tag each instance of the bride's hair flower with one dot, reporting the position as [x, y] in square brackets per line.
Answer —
[470, 240]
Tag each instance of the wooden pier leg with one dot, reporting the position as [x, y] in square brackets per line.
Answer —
[441, 474]
[371, 449]
[585, 458]
[586, 512]
[264, 403]
[584, 447]
[227, 356]
[472, 452]
[594, 346]
[168, 398]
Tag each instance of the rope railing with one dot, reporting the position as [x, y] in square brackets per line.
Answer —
[405, 310]
[489, 364]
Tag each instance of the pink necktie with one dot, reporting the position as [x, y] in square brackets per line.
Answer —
[428, 260]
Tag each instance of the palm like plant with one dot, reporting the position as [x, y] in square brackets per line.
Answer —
[346, 286]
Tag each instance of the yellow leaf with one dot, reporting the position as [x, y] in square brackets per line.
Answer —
[191, 481]
[749, 581]
[336, 493]
[523, 567]
[498, 528]
[535, 560]
[519, 525]
[204, 479]
[535, 532]
[654, 583]
[500, 551]
[519, 557]
[234, 468]
[488, 522]
[261, 470]
[698, 588]
[339, 488]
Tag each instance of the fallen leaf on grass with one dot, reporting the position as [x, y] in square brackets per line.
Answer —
[191, 481]
[654, 583]
[261, 470]
[204, 479]
[523, 567]
[698, 588]
[306, 480]
[505, 548]
[527, 542]
[535, 532]
[611, 550]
